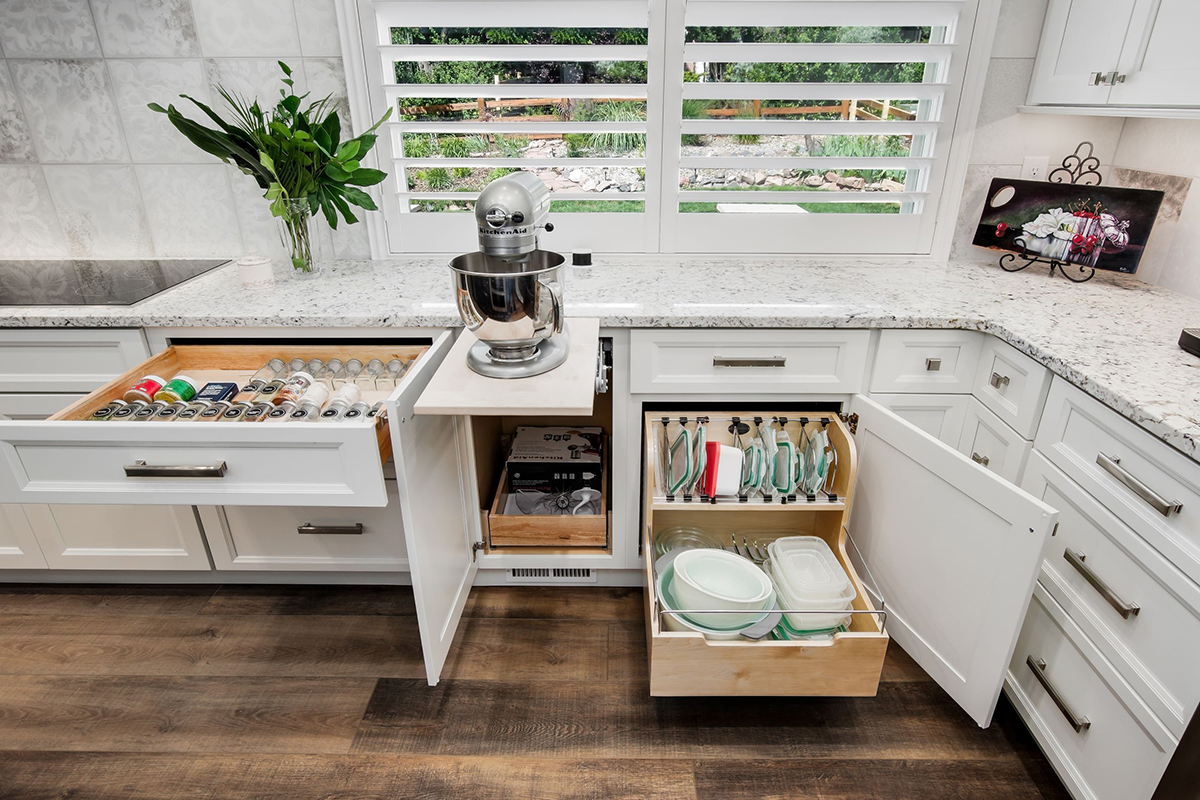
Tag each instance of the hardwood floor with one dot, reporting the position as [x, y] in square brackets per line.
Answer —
[265, 693]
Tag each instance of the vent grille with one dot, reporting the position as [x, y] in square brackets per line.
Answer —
[551, 575]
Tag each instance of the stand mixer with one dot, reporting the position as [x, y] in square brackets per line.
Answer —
[510, 293]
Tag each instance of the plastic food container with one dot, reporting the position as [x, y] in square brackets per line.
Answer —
[809, 568]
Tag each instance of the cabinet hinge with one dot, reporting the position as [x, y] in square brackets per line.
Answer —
[475, 548]
[851, 421]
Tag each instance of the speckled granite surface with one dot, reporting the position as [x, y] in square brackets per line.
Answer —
[1114, 337]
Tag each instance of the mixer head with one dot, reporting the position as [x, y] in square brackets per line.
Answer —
[508, 214]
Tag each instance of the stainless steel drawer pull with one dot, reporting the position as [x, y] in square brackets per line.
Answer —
[933, 364]
[337, 530]
[1076, 559]
[749, 361]
[1038, 666]
[997, 380]
[1112, 465]
[983, 461]
[140, 469]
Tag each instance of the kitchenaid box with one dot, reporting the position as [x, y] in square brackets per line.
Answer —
[554, 459]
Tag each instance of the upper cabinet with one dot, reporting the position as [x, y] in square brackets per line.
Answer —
[1119, 57]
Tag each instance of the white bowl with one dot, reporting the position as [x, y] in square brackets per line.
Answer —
[680, 623]
[717, 580]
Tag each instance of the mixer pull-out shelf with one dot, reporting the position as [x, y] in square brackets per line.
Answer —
[568, 390]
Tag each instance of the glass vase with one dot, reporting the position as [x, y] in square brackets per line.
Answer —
[298, 230]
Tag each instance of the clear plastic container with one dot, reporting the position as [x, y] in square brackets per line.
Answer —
[809, 568]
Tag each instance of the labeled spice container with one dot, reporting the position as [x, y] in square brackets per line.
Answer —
[216, 390]
[194, 409]
[294, 389]
[266, 381]
[144, 390]
[169, 413]
[107, 412]
[312, 402]
[357, 411]
[236, 412]
[281, 412]
[181, 387]
[347, 395]
[149, 410]
[129, 409]
[215, 411]
[259, 411]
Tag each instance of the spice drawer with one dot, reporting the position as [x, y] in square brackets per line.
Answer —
[68, 458]
[747, 361]
[350, 539]
[1102, 740]
[937, 361]
[1147, 484]
[1012, 385]
[1142, 613]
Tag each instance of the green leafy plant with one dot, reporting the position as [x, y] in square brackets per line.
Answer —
[453, 147]
[295, 152]
[461, 172]
[436, 178]
[500, 172]
[577, 143]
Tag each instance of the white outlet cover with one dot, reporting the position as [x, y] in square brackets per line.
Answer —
[1034, 168]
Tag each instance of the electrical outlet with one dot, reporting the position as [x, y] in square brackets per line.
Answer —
[1034, 168]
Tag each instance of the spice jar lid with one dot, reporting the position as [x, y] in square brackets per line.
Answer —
[155, 378]
[189, 381]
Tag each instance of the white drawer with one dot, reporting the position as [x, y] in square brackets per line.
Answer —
[330, 539]
[939, 415]
[926, 361]
[1134, 475]
[1123, 751]
[119, 537]
[69, 459]
[67, 360]
[35, 406]
[987, 441]
[1012, 385]
[747, 361]
[1140, 611]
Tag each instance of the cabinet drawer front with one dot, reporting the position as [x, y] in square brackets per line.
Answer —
[358, 539]
[66, 361]
[926, 361]
[1012, 385]
[1123, 750]
[1140, 611]
[989, 442]
[1151, 487]
[119, 537]
[748, 361]
[939, 415]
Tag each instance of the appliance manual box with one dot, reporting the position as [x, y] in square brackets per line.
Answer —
[555, 459]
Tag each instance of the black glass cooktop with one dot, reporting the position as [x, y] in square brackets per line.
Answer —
[94, 283]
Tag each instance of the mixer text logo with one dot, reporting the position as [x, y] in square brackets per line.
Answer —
[503, 232]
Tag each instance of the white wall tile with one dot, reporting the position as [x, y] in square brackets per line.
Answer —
[190, 209]
[1005, 136]
[251, 78]
[317, 21]
[1171, 146]
[70, 110]
[979, 178]
[1019, 29]
[150, 135]
[247, 28]
[28, 224]
[146, 28]
[47, 29]
[16, 145]
[260, 230]
[100, 210]
[327, 78]
[1181, 272]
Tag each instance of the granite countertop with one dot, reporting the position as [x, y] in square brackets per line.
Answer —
[1114, 337]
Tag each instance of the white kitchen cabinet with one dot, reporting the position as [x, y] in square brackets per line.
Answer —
[77, 360]
[939, 415]
[989, 442]
[934, 361]
[1108, 54]
[1012, 385]
[119, 537]
[18, 545]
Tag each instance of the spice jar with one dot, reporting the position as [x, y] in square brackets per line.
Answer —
[181, 387]
[281, 412]
[259, 411]
[194, 409]
[144, 390]
[312, 401]
[107, 412]
[294, 389]
[129, 409]
[347, 395]
[149, 410]
[169, 413]
[266, 381]
[236, 412]
[215, 411]
[357, 411]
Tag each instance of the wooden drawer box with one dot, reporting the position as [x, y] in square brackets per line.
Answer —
[938, 361]
[69, 459]
[747, 361]
[539, 530]
[1120, 749]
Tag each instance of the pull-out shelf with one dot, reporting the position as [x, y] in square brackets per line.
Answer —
[71, 459]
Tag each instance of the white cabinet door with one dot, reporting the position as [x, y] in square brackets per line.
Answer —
[1160, 62]
[119, 537]
[18, 546]
[990, 443]
[939, 415]
[1079, 37]
[952, 550]
[432, 484]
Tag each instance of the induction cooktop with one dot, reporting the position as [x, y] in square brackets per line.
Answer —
[94, 283]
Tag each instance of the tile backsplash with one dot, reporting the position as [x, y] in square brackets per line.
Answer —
[86, 170]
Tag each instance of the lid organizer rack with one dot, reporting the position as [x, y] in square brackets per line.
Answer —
[678, 439]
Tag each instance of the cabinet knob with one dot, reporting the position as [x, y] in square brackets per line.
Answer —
[1095, 78]
[933, 364]
[997, 380]
[982, 461]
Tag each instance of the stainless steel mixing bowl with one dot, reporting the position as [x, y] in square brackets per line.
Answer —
[512, 306]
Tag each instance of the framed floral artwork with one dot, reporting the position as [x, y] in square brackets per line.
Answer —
[1094, 226]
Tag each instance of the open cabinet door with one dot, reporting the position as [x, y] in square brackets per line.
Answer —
[952, 550]
[432, 486]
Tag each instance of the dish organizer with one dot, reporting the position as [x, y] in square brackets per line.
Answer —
[845, 663]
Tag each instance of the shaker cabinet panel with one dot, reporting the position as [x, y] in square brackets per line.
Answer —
[941, 361]
[939, 415]
[35, 360]
[1080, 39]
[119, 537]
[1159, 63]
[18, 546]
[989, 442]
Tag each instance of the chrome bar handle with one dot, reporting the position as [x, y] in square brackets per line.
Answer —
[140, 469]
[1038, 666]
[997, 380]
[337, 530]
[1112, 465]
[982, 461]
[1076, 559]
[749, 361]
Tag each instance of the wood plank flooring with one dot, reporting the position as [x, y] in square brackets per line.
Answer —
[265, 693]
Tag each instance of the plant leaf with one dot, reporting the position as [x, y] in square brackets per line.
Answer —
[336, 173]
[274, 191]
[366, 177]
[348, 150]
[286, 69]
[359, 198]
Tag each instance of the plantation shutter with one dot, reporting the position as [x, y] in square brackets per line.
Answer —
[765, 98]
[479, 88]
